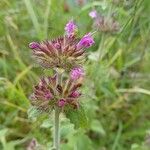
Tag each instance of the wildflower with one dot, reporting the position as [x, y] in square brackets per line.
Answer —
[106, 24]
[49, 93]
[34, 45]
[61, 102]
[70, 28]
[75, 94]
[59, 53]
[65, 52]
[93, 14]
[86, 42]
[77, 73]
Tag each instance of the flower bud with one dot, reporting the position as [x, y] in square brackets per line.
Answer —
[86, 42]
[77, 73]
[93, 14]
[75, 94]
[61, 102]
[70, 28]
[34, 45]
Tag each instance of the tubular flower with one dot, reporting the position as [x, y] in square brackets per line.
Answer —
[86, 42]
[93, 14]
[34, 45]
[49, 93]
[77, 73]
[70, 28]
[64, 52]
[61, 103]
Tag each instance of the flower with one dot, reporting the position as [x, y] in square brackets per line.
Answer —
[77, 73]
[34, 45]
[43, 93]
[59, 53]
[93, 14]
[49, 93]
[86, 42]
[64, 52]
[106, 24]
[75, 94]
[61, 102]
[70, 28]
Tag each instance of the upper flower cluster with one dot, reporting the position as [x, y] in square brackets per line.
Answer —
[65, 52]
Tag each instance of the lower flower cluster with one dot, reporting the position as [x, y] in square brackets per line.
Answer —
[58, 91]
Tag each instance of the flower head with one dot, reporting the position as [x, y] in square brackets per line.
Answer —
[65, 52]
[61, 102]
[93, 14]
[86, 42]
[70, 28]
[34, 45]
[106, 24]
[75, 94]
[77, 73]
[59, 53]
[48, 93]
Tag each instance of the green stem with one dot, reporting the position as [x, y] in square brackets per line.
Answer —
[56, 117]
[56, 130]
[101, 46]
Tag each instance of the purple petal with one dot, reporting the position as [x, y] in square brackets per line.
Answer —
[61, 103]
[77, 73]
[70, 28]
[93, 14]
[86, 42]
[34, 45]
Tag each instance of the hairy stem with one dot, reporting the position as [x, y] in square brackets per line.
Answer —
[56, 116]
[56, 130]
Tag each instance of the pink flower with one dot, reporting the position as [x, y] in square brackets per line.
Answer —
[70, 28]
[87, 41]
[93, 14]
[34, 45]
[61, 102]
[77, 73]
[48, 95]
[75, 94]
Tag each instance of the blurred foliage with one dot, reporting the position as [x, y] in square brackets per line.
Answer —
[116, 90]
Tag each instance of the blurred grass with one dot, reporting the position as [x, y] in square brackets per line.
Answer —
[116, 89]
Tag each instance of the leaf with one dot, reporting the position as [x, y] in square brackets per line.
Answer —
[3, 132]
[97, 127]
[46, 124]
[77, 117]
[33, 113]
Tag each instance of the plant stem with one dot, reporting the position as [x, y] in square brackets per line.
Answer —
[101, 47]
[56, 116]
[56, 130]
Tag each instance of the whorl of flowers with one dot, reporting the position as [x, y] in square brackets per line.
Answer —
[65, 52]
[49, 92]
[104, 23]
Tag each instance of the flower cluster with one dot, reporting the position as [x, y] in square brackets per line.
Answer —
[64, 52]
[49, 92]
[104, 24]
[67, 53]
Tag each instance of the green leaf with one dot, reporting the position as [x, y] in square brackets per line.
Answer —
[77, 117]
[46, 124]
[33, 113]
[97, 127]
